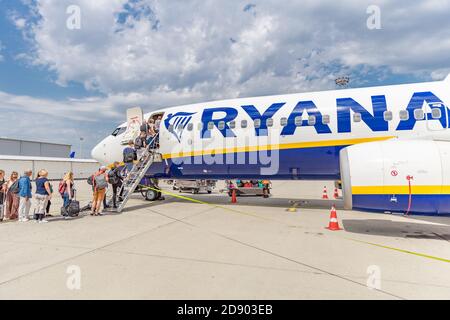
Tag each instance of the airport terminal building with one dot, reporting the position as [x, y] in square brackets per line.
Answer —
[15, 147]
[20, 155]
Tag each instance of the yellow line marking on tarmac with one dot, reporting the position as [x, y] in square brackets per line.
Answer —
[263, 218]
[206, 203]
[401, 250]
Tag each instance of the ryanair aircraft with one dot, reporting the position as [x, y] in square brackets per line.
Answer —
[389, 145]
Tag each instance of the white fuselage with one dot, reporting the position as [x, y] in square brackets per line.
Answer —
[289, 136]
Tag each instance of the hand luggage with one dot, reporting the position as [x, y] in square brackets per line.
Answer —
[2, 206]
[73, 209]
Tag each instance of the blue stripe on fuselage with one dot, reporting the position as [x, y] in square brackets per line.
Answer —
[318, 163]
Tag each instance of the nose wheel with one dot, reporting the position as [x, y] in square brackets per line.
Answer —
[151, 195]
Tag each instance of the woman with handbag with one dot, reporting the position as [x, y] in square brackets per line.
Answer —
[12, 197]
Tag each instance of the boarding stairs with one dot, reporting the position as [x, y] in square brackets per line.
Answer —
[133, 178]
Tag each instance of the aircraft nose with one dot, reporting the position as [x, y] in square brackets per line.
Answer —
[97, 153]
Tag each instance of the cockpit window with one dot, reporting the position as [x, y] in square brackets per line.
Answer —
[119, 131]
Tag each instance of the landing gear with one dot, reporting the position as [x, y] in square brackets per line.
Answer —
[152, 195]
[149, 189]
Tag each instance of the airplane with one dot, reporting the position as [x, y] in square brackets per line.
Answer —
[389, 145]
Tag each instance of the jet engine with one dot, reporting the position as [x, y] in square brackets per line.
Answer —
[409, 176]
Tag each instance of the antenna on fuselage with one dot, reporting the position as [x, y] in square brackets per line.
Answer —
[342, 82]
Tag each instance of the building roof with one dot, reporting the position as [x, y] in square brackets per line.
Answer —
[26, 158]
[35, 141]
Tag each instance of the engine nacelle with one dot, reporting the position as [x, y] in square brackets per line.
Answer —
[397, 176]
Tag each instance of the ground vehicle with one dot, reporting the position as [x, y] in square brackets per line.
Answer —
[252, 188]
[195, 186]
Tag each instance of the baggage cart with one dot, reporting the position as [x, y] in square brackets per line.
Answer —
[195, 186]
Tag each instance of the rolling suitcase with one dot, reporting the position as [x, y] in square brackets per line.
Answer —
[73, 209]
[2, 206]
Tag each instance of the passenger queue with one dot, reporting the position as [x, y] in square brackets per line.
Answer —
[16, 193]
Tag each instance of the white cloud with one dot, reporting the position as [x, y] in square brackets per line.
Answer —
[17, 20]
[65, 121]
[60, 121]
[20, 23]
[211, 50]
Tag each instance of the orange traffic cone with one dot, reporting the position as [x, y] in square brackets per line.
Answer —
[336, 193]
[334, 224]
[233, 196]
[324, 193]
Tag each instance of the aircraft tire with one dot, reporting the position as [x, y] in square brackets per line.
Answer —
[152, 195]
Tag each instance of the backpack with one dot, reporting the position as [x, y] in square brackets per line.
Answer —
[62, 187]
[14, 187]
[129, 156]
[89, 180]
[138, 143]
[100, 182]
[112, 177]
[144, 127]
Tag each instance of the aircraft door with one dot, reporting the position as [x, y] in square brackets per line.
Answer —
[135, 117]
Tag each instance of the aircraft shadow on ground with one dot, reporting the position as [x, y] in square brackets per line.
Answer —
[269, 202]
[398, 229]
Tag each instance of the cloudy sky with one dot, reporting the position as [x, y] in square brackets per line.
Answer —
[60, 83]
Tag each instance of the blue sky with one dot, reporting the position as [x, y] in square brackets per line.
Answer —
[58, 84]
[19, 78]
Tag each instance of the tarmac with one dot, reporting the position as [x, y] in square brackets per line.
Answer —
[255, 249]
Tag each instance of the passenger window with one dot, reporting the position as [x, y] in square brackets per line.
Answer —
[190, 126]
[298, 121]
[269, 122]
[325, 119]
[311, 120]
[210, 125]
[436, 113]
[404, 115]
[257, 123]
[418, 114]
[387, 115]
[171, 127]
[244, 124]
[283, 122]
[232, 124]
[357, 117]
[221, 125]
